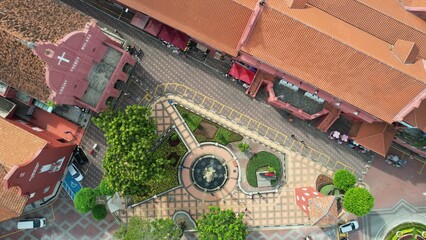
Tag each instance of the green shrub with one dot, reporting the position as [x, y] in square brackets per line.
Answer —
[99, 211]
[243, 147]
[104, 189]
[271, 169]
[327, 189]
[201, 138]
[344, 180]
[358, 201]
[224, 136]
[84, 200]
[262, 159]
[174, 137]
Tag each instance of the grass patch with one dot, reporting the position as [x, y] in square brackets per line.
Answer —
[171, 148]
[192, 120]
[329, 190]
[406, 228]
[259, 161]
[224, 136]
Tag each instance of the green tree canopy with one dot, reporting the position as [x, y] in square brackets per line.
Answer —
[358, 201]
[344, 180]
[104, 188]
[146, 229]
[221, 225]
[84, 200]
[99, 211]
[129, 163]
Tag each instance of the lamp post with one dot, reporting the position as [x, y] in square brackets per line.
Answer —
[123, 10]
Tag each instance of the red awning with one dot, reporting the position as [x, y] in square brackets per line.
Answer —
[240, 72]
[140, 20]
[153, 27]
[167, 33]
[180, 40]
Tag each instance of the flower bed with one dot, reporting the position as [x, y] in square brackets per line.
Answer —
[407, 231]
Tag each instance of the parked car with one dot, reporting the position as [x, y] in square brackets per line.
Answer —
[75, 172]
[31, 223]
[79, 156]
[349, 226]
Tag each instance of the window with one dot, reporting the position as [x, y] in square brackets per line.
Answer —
[22, 174]
[46, 189]
[46, 168]
[32, 195]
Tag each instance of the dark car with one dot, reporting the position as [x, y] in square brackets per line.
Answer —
[79, 156]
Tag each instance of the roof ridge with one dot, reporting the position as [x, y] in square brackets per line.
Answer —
[345, 44]
[327, 208]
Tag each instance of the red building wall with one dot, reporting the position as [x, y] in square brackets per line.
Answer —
[32, 176]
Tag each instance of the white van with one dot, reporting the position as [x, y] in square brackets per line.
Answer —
[31, 223]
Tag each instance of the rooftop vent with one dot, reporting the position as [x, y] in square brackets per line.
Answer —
[405, 51]
[296, 3]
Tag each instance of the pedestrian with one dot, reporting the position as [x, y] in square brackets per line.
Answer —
[302, 142]
[239, 201]
[290, 117]
[292, 136]
[246, 210]
[212, 194]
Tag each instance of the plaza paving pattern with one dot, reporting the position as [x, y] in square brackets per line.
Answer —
[63, 222]
[274, 208]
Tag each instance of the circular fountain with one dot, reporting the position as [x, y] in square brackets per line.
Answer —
[209, 173]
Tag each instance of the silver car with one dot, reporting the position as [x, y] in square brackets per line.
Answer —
[349, 226]
[75, 173]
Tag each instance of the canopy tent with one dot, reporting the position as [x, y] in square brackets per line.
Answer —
[376, 136]
[180, 40]
[139, 20]
[167, 33]
[153, 27]
[242, 73]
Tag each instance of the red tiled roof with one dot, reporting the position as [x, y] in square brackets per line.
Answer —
[417, 117]
[218, 23]
[12, 136]
[385, 19]
[323, 211]
[405, 51]
[50, 21]
[11, 203]
[336, 57]
[376, 136]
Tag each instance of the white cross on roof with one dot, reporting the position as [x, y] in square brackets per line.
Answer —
[62, 58]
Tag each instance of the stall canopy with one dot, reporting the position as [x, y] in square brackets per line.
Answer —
[242, 73]
[153, 27]
[139, 20]
[167, 33]
[376, 136]
[180, 40]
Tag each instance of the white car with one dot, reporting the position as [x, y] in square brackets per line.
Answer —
[32, 223]
[349, 226]
[75, 173]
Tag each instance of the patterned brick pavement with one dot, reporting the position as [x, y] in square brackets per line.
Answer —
[63, 223]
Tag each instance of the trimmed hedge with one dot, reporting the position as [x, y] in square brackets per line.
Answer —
[344, 180]
[259, 160]
[358, 201]
[99, 212]
[85, 200]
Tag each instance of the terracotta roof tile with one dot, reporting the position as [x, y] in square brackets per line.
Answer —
[417, 117]
[21, 69]
[247, 3]
[218, 23]
[405, 51]
[387, 20]
[323, 211]
[12, 136]
[11, 204]
[50, 21]
[336, 57]
[414, 3]
[376, 136]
